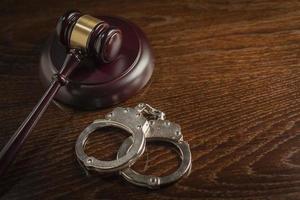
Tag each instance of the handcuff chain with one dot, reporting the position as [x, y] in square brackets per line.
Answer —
[157, 114]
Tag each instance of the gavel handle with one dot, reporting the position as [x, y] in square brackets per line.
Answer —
[10, 150]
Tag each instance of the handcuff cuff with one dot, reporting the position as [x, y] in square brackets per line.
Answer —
[154, 127]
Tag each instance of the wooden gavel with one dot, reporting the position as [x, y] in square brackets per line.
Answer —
[82, 35]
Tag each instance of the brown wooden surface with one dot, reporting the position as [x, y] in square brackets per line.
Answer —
[227, 71]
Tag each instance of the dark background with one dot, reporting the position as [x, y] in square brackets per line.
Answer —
[226, 71]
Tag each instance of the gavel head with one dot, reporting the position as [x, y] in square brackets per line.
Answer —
[90, 34]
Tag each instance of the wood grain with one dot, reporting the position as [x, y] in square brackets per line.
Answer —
[226, 71]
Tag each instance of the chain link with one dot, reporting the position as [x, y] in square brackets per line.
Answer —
[146, 108]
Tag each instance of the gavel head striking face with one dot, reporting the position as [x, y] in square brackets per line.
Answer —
[92, 35]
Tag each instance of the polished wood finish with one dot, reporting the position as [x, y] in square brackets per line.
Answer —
[102, 41]
[59, 78]
[226, 71]
[97, 84]
[9, 152]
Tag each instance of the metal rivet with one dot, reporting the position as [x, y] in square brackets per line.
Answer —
[153, 180]
[167, 123]
[125, 110]
[139, 126]
[89, 160]
[138, 114]
[109, 115]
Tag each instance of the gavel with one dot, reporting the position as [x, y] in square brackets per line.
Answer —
[82, 35]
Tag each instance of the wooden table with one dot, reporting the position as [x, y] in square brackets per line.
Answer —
[226, 71]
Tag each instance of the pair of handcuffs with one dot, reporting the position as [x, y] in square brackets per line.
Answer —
[142, 129]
